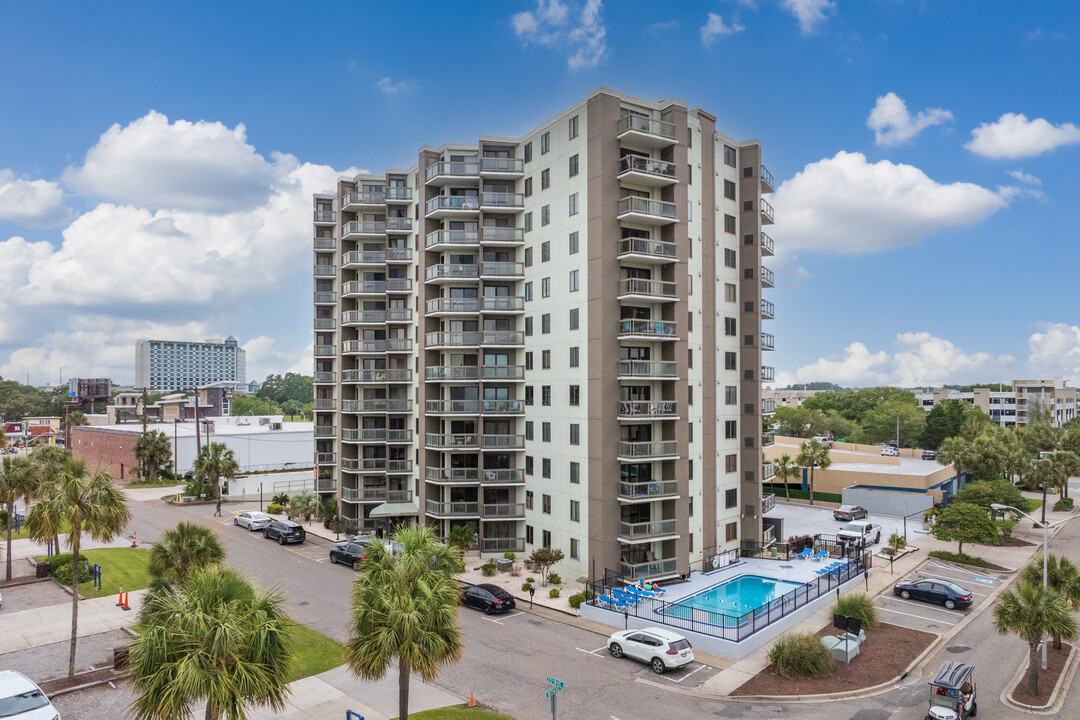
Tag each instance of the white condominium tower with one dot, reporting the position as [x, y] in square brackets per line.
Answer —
[166, 365]
[554, 339]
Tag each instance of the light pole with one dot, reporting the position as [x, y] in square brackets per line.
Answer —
[1046, 552]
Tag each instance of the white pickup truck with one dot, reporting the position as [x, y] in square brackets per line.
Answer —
[860, 532]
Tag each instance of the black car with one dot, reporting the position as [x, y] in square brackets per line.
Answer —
[941, 592]
[284, 531]
[350, 553]
[929, 455]
[489, 598]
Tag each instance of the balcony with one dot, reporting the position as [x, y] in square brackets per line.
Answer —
[646, 132]
[399, 254]
[647, 290]
[633, 410]
[325, 271]
[450, 239]
[399, 344]
[766, 212]
[502, 270]
[325, 243]
[766, 341]
[377, 406]
[325, 404]
[497, 167]
[363, 287]
[377, 377]
[638, 492]
[647, 330]
[452, 206]
[501, 202]
[360, 228]
[453, 509]
[502, 544]
[452, 306]
[358, 258]
[649, 570]
[644, 210]
[768, 373]
[767, 185]
[502, 511]
[326, 485]
[364, 465]
[436, 340]
[646, 531]
[767, 310]
[445, 173]
[325, 297]
[451, 373]
[367, 494]
[502, 442]
[398, 194]
[768, 472]
[502, 373]
[646, 172]
[399, 284]
[648, 370]
[396, 436]
[767, 277]
[509, 236]
[324, 351]
[767, 439]
[452, 476]
[469, 441]
[325, 217]
[768, 502]
[647, 251]
[766, 245]
[502, 338]
[325, 323]
[502, 304]
[502, 407]
[326, 458]
[505, 476]
[376, 317]
[355, 347]
[397, 467]
[398, 224]
[367, 198]
[768, 406]
[324, 378]
[452, 407]
[656, 450]
[364, 435]
[451, 273]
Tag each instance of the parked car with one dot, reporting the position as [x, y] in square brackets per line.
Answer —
[662, 649]
[823, 440]
[929, 454]
[350, 552]
[860, 532]
[284, 531]
[489, 598]
[849, 512]
[253, 520]
[890, 451]
[21, 699]
[941, 592]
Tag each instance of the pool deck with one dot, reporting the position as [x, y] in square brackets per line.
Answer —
[799, 571]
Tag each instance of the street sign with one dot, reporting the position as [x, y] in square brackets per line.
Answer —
[557, 683]
[551, 692]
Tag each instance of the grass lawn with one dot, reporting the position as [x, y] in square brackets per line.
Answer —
[162, 484]
[315, 653]
[119, 566]
[1032, 504]
[459, 712]
[21, 535]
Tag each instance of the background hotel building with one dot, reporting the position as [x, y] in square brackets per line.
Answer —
[553, 339]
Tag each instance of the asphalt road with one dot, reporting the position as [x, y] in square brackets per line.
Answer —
[507, 658]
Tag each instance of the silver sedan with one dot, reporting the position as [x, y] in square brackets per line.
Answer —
[253, 520]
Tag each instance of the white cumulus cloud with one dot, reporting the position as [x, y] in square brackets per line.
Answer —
[1025, 178]
[1055, 351]
[715, 28]
[1014, 136]
[549, 25]
[265, 356]
[846, 204]
[31, 202]
[390, 87]
[809, 13]
[894, 124]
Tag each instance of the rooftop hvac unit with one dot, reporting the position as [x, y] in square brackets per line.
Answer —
[275, 426]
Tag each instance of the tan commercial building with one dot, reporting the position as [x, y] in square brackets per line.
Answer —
[1051, 397]
[553, 339]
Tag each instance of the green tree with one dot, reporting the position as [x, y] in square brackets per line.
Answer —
[248, 405]
[944, 420]
[813, 455]
[1031, 612]
[19, 401]
[785, 469]
[827, 402]
[799, 422]
[215, 463]
[1040, 438]
[976, 422]
[404, 608]
[986, 492]
[328, 510]
[1017, 460]
[215, 639]
[304, 504]
[291, 408]
[856, 404]
[1054, 471]
[964, 523]
[292, 386]
[839, 426]
[153, 451]
[543, 559]
[988, 457]
[182, 550]
[460, 537]
[879, 422]
[958, 452]
[1061, 576]
[19, 478]
[83, 503]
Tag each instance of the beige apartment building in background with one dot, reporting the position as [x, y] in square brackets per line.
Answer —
[554, 339]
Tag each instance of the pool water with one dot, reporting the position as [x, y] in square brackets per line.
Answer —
[736, 597]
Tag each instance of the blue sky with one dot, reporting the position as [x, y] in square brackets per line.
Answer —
[157, 161]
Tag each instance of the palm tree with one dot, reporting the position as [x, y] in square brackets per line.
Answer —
[1054, 472]
[83, 503]
[304, 504]
[1032, 611]
[813, 454]
[215, 639]
[1068, 466]
[214, 463]
[1017, 462]
[19, 478]
[182, 550]
[460, 537]
[50, 461]
[152, 450]
[405, 608]
[1061, 576]
[785, 470]
[958, 452]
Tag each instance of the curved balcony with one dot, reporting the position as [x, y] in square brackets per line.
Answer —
[502, 373]
[647, 290]
[648, 370]
[502, 442]
[437, 340]
[502, 338]
[502, 270]
[502, 407]
[445, 173]
[354, 288]
[452, 206]
[452, 407]
[444, 273]
[363, 228]
[502, 304]
[377, 377]
[452, 306]
[436, 441]
[503, 236]
[655, 450]
[367, 198]
[502, 511]
[494, 202]
[643, 250]
[646, 132]
[450, 239]
[500, 167]
[646, 531]
[646, 211]
[638, 492]
[647, 330]
[452, 373]
[646, 172]
[635, 410]
[438, 509]
[360, 258]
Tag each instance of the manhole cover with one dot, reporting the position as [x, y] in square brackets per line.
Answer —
[302, 603]
[957, 648]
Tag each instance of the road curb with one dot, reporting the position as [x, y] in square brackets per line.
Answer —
[1061, 688]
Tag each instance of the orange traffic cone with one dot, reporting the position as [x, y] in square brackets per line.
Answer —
[120, 600]
[472, 699]
[126, 606]
[133, 535]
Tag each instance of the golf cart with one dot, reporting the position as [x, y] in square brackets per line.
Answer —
[952, 692]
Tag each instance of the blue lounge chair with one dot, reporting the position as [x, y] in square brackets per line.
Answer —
[806, 552]
[625, 596]
[607, 600]
[820, 555]
[635, 590]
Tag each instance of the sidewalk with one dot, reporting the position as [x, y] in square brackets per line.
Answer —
[51, 624]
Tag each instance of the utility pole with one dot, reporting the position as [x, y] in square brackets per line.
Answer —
[176, 447]
[198, 435]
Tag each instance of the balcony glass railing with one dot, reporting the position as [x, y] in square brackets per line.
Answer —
[364, 227]
[645, 570]
[325, 403]
[324, 378]
[642, 530]
[767, 439]
[451, 372]
[502, 407]
[326, 458]
[399, 254]
[365, 257]
[502, 234]
[325, 243]
[326, 485]
[648, 408]
[452, 237]
[766, 244]
[376, 405]
[502, 510]
[444, 407]
[502, 372]
[399, 466]
[325, 297]
[434, 507]
[364, 198]
[767, 277]
[648, 248]
[766, 341]
[502, 337]
[649, 489]
[636, 163]
[453, 305]
[324, 323]
[460, 440]
[363, 346]
[768, 373]
[453, 202]
[360, 317]
[399, 345]
[503, 442]
[505, 476]
[645, 206]
[368, 287]
[768, 471]
[453, 169]
[502, 269]
[766, 179]
[325, 431]
[767, 310]
[502, 200]
[369, 494]
[502, 303]
[376, 376]
[636, 123]
[452, 475]
[659, 448]
[325, 216]
[501, 165]
[663, 369]
[457, 339]
[399, 436]
[398, 284]
[364, 434]
[452, 272]
[399, 193]
[657, 328]
[502, 544]
[767, 213]
[647, 288]
[325, 271]
[324, 351]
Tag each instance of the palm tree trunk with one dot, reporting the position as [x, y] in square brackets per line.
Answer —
[1033, 668]
[1057, 644]
[787, 488]
[74, 599]
[10, 513]
[403, 690]
[210, 714]
[811, 484]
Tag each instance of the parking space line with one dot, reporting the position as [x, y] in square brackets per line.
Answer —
[969, 573]
[490, 620]
[921, 617]
[923, 576]
[701, 667]
[592, 652]
[924, 605]
[514, 615]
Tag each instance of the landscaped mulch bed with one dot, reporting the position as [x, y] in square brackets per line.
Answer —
[887, 652]
[1055, 663]
[63, 684]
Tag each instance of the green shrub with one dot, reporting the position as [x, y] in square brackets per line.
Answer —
[962, 558]
[281, 499]
[530, 580]
[555, 579]
[576, 599]
[1063, 504]
[860, 606]
[509, 556]
[274, 509]
[61, 570]
[3, 518]
[526, 586]
[198, 488]
[800, 655]
[488, 568]
[553, 593]
[897, 541]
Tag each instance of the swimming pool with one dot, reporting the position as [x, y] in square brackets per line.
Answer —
[734, 598]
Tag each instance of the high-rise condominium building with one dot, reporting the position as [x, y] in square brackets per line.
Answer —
[554, 339]
[166, 365]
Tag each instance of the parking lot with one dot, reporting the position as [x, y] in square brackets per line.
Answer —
[313, 548]
[807, 520]
[929, 617]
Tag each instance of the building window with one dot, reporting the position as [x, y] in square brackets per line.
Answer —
[690, 395]
[545, 359]
[573, 541]
[731, 429]
[529, 257]
[690, 321]
[528, 222]
[545, 432]
[729, 224]
[690, 469]
[574, 281]
[731, 532]
[545, 179]
[729, 155]
[748, 239]
[730, 258]
[528, 465]
[528, 292]
[574, 356]
[545, 504]
[528, 187]
[573, 165]
[528, 429]
[546, 535]
[731, 463]
[731, 395]
[573, 204]
[575, 511]
[545, 216]
[574, 318]
[748, 206]
[528, 394]
[545, 287]
[528, 326]
[529, 361]
[573, 243]
[545, 251]
[575, 395]
[575, 473]
[573, 127]
[731, 498]
[748, 273]
[729, 326]
[748, 340]
[528, 499]
[545, 319]
[689, 358]
[545, 144]
[575, 434]
[729, 361]
[729, 292]
[545, 395]
[528, 152]
[729, 190]
[529, 534]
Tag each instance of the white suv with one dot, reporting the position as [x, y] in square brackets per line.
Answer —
[20, 698]
[662, 649]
